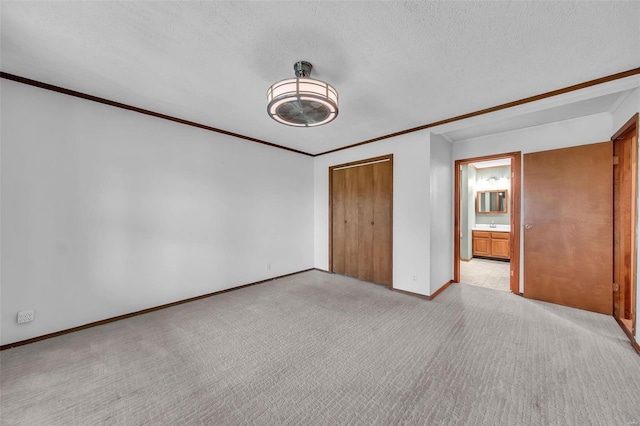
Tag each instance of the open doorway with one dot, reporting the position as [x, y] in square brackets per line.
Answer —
[487, 222]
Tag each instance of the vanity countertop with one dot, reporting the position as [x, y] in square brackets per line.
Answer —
[495, 228]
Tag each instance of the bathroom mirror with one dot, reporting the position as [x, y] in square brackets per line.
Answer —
[492, 202]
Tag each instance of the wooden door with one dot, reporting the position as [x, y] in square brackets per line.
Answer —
[568, 226]
[363, 245]
[351, 225]
[624, 221]
[361, 219]
[382, 256]
[338, 220]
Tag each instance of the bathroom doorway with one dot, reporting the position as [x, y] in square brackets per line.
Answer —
[487, 222]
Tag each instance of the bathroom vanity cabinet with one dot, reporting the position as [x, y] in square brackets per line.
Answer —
[491, 244]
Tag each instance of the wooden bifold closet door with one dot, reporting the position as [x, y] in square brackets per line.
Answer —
[361, 219]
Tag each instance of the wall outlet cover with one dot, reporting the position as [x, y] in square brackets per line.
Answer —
[26, 316]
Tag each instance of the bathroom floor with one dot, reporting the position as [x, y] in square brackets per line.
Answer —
[486, 273]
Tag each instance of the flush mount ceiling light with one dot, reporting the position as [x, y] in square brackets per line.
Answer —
[302, 101]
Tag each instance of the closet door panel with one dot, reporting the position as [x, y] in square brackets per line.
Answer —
[383, 222]
[351, 225]
[362, 219]
[365, 222]
[338, 221]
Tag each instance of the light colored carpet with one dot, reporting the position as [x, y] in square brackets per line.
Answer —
[316, 348]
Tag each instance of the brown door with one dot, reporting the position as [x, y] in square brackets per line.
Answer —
[624, 220]
[568, 227]
[361, 219]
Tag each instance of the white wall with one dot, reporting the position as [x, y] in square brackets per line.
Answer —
[622, 114]
[579, 131]
[561, 134]
[106, 211]
[442, 199]
[625, 110]
[465, 223]
[423, 221]
[411, 221]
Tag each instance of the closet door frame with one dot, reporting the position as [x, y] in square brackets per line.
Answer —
[388, 157]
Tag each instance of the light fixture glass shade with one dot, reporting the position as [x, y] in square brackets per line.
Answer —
[302, 102]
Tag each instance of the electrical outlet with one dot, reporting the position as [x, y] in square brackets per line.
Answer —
[26, 316]
[414, 279]
[268, 266]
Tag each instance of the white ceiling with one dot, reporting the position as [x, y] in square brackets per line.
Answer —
[397, 65]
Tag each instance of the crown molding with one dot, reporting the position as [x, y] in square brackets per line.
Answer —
[590, 83]
[104, 101]
[564, 90]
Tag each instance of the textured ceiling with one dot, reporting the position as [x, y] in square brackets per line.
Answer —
[397, 65]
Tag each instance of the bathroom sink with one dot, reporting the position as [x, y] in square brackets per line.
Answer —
[494, 228]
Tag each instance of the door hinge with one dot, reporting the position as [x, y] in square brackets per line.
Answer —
[616, 161]
[616, 287]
